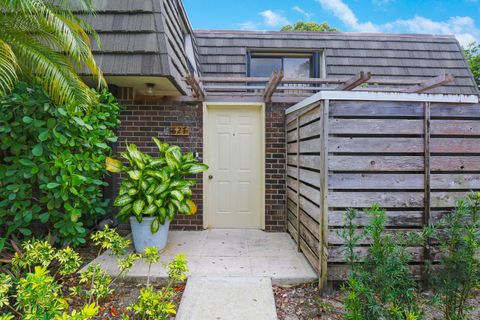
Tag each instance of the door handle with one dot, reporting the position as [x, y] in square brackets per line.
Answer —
[210, 177]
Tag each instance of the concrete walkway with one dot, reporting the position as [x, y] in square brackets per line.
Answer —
[231, 272]
[228, 253]
[227, 298]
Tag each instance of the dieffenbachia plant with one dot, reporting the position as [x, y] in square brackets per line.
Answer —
[155, 186]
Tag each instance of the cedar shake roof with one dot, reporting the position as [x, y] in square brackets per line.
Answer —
[389, 56]
[146, 38]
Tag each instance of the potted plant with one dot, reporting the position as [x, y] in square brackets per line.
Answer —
[154, 190]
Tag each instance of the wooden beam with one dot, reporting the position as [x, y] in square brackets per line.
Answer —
[196, 87]
[323, 220]
[430, 83]
[307, 80]
[354, 81]
[270, 90]
[427, 186]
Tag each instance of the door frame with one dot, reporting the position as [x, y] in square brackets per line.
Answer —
[226, 105]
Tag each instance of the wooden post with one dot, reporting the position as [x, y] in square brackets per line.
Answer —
[427, 187]
[298, 183]
[323, 220]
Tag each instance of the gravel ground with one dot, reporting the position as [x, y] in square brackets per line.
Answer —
[304, 303]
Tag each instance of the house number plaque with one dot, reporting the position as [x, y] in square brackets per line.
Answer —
[179, 131]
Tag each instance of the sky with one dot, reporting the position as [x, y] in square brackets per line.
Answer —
[458, 17]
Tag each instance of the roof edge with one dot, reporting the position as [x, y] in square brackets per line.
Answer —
[346, 34]
[382, 96]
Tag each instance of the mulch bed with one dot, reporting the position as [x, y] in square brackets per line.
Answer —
[126, 293]
[303, 302]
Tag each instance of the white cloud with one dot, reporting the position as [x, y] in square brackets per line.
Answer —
[307, 15]
[273, 19]
[463, 28]
[248, 25]
[380, 3]
[346, 15]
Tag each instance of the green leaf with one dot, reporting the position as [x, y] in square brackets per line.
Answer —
[155, 226]
[43, 136]
[138, 206]
[25, 231]
[37, 150]
[27, 119]
[177, 195]
[26, 162]
[101, 145]
[44, 217]
[135, 174]
[52, 185]
[197, 168]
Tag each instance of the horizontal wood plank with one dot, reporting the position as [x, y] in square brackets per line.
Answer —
[370, 145]
[399, 219]
[375, 126]
[375, 163]
[458, 145]
[365, 181]
[385, 199]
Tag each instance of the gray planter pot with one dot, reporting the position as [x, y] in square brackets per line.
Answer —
[143, 237]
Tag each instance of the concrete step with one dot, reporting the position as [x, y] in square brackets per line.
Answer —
[227, 298]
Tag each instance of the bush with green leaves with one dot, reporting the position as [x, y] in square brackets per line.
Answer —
[36, 285]
[380, 284]
[457, 276]
[155, 186]
[52, 164]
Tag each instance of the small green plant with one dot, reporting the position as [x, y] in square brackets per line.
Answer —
[35, 286]
[458, 275]
[380, 284]
[155, 186]
[157, 305]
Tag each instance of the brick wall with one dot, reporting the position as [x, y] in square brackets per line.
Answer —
[275, 167]
[142, 120]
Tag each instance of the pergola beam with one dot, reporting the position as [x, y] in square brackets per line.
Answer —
[354, 81]
[438, 81]
[272, 85]
[196, 87]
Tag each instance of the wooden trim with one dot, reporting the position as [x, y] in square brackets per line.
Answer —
[298, 183]
[435, 82]
[427, 184]
[322, 80]
[323, 221]
[354, 81]
[382, 96]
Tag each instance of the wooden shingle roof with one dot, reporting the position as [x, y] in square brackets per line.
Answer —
[389, 56]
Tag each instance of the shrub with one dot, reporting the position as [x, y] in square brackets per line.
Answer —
[155, 186]
[380, 285]
[35, 287]
[52, 164]
[458, 274]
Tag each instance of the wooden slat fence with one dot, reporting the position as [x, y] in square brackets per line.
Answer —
[415, 159]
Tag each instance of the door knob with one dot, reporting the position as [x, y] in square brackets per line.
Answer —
[210, 177]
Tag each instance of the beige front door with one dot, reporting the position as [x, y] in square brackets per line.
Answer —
[234, 152]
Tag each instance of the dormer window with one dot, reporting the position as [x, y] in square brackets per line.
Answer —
[295, 65]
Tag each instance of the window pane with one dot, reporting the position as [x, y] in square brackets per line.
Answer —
[263, 67]
[296, 67]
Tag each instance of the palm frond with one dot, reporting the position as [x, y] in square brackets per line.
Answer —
[8, 67]
[51, 45]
